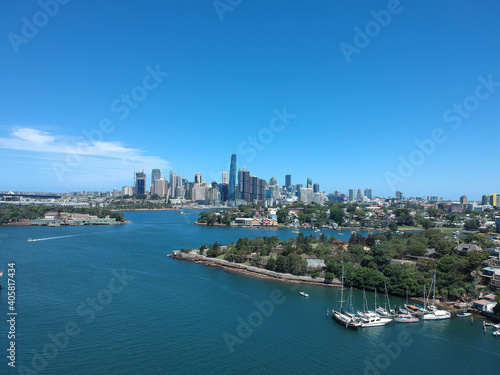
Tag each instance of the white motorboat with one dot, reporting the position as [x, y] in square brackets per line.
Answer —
[304, 294]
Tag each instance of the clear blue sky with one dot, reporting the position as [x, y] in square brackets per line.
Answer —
[357, 113]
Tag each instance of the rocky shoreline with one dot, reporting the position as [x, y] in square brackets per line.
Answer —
[251, 270]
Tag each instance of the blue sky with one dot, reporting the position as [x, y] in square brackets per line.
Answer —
[269, 81]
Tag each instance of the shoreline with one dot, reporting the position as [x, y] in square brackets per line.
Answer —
[252, 271]
[28, 224]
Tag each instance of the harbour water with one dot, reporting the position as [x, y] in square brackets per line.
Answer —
[106, 300]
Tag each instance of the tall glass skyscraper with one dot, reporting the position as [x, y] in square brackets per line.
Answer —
[288, 182]
[232, 178]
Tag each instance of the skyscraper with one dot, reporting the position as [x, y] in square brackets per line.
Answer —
[368, 193]
[399, 195]
[463, 199]
[197, 178]
[244, 184]
[288, 182]
[309, 182]
[155, 175]
[316, 188]
[351, 195]
[272, 181]
[175, 182]
[140, 183]
[225, 178]
[359, 196]
[232, 178]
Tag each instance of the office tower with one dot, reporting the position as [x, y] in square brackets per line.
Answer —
[493, 200]
[199, 192]
[297, 190]
[288, 182]
[463, 199]
[175, 182]
[127, 190]
[359, 196]
[309, 183]
[351, 195]
[225, 177]
[306, 195]
[115, 193]
[140, 183]
[272, 181]
[155, 174]
[399, 195]
[244, 184]
[232, 178]
[197, 178]
[159, 187]
[368, 193]
[224, 192]
[184, 181]
[316, 188]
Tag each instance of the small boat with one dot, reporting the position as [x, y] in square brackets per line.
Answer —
[304, 294]
[30, 239]
[316, 231]
[406, 319]
[463, 314]
[182, 213]
[496, 333]
[295, 231]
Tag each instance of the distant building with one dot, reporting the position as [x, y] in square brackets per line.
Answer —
[115, 193]
[127, 190]
[309, 182]
[244, 184]
[225, 178]
[288, 182]
[197, 178]
[155, 175]
[463, 199]
[306, 195]
[368, 193]
[399, 195]
[232, 178]
[272, 181]
[351, 195]
[359, 196]
[175, 182]
[316, 188]
[160, 187]
[140, 183]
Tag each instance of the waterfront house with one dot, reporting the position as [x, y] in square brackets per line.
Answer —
[483, 305]
[495, 282]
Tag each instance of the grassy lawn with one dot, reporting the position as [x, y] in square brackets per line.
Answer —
[220, 256]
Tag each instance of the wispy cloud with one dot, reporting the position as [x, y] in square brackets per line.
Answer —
[102, 162]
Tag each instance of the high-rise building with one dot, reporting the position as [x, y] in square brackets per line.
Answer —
[224, 192]
[244, 184]
[225, 178]
[272, 181]
[115, 193]
[493, 200]
[288, 182]
[175, 182]
[463, 199]
[316, 188]
[351, 195]
[197, 178]
[368, 193]
[297, 190]
[399, 195]
[306, 195]
[160, 187]
[359, 196]
[127, 190]
[155, 175]
[140, 183]
[232, 179]
[309, 182]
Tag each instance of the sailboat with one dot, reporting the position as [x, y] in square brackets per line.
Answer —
[370, 318]
[435, 314]
[348, 320]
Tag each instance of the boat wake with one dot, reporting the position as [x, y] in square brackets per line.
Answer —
[54, 238]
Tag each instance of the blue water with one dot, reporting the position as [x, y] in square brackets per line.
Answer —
[165, 316]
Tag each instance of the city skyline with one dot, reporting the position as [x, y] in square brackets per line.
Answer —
[350, 95]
